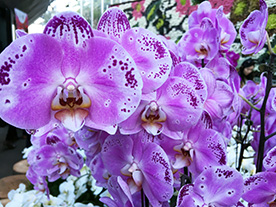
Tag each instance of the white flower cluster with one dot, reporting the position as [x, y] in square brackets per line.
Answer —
[70, 191]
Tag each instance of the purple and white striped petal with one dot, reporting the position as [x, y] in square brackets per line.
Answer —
[72, 31]
[151, 56]
[114, 23]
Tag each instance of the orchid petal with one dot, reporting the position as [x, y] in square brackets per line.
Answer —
[72, 31]
[150, 55]
[114, 22]
[133, 124]
[208, 149]
[269, 161]
[73, 120]
[181, 103]
[20, 33]
[220, 186]
[113, 84]
[260, 188]
[29, 76]
[184, 199]
[157, 173]
[117, 148]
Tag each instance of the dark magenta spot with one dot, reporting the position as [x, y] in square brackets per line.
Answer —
[16, 56]
[24, 48]
[7, 101]
[114, 62]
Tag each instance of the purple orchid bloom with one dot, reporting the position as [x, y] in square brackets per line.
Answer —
[252, 31]
[227, 31]
[151, 56]
[143, 166]
[176, 106]
[55, 160]
[217, 186]
[200, 43]
[120, 192]
[69, 75]
[38, 181]
[260, 189]
[198, 149]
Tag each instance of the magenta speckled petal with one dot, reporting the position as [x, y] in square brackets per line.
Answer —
[112, 82]
[157, 171]
[151, 56]
[260, 188]
[269, 161]
[181, 103]
[29, 76]
[219, 186]
[114, 23]
[72, 31]
[133, 124]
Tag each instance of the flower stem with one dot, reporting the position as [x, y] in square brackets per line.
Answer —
[262, 110]
[249, 103]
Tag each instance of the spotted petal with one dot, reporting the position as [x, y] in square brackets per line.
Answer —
[260, 188]
[114, 22]
[110, 78]
[157, 172]
[72, 31]
[29, 76]
[270, 160]
[150, 55]
[219, 186]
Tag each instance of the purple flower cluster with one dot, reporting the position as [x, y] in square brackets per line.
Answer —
[143, 109]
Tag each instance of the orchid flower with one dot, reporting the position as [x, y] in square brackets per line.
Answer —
[120, 192]
[176, 106]
[151, 56]
[260, 189]
[252, 31]
[199, 148]
[143, 166]
[55, 160]
[220, 186]
[227, 31]
[200, 43]
[67, 75]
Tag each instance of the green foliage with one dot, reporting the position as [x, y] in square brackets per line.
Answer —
[239, 10]
[151, 10]
[89, 197]
[271, 22]
[197, 1]
[183, 2]
[54, 187]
